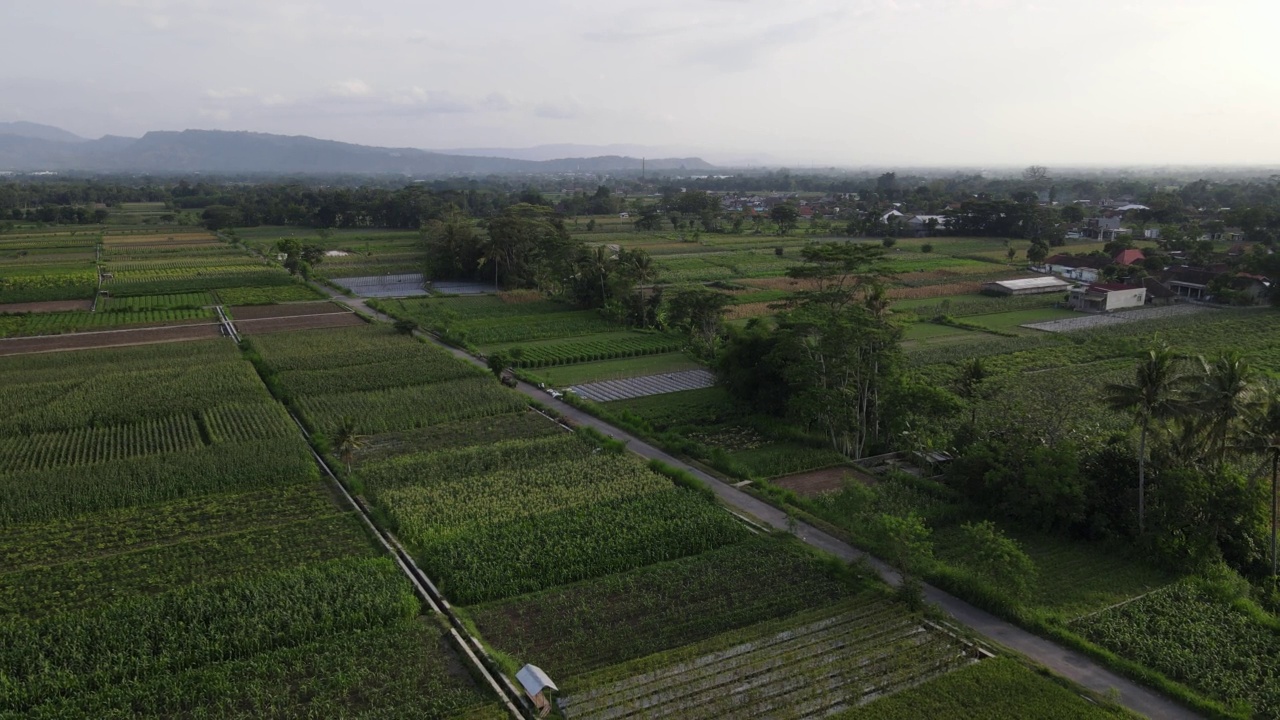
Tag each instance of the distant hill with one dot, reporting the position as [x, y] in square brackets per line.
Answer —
[566, 150]
[39, 132]
[216, 151]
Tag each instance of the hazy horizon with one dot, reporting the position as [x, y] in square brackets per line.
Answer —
[924, 83]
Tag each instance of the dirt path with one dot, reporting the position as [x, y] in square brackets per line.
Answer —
[1067, 663]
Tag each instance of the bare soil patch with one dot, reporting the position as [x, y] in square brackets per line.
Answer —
[109, 338]
[822, 482]
[262, 312]
[50, 306]
[302, 322]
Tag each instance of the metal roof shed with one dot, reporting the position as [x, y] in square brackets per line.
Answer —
[535, 681]
[1026, 286]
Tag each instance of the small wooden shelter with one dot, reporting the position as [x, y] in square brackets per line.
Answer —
[535, 683]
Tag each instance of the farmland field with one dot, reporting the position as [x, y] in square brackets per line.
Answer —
[168, 549]
[1197, 639]
[998, 689]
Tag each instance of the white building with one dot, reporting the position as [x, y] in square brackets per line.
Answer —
[1105, 297]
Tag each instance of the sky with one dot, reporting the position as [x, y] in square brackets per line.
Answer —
[820, 82]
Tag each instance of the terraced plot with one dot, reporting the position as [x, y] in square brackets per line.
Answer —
[813, 670]
[608, 390]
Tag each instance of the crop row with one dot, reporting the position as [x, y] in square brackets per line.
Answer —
[439, 312]
[87, 446]
[68, 322]
[65, 285]
[207, 279]
[442, 508]
[424, 368]
[292, 292]
[359, 346]
[998, 687]
[34, 369]
[588, 350]
[811, 670]
[394, 671]
[660, 607]
[164, 268]
[447, 465]
[68, 492]
[124, 396]
[156, 302]
[82, 652]
[101, 581]
[410, 407]
[136, 528]
[532, 327]
[459, 435]
[1197, 639]
[577, 543]
[247, 422]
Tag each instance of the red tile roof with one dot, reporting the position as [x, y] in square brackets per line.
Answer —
[1129, 257]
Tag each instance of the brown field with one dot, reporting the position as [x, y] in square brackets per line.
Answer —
[50, 306]
[285, 310]
[931, 291]
[302, 322]
[109, 338]
[778, 283]
[822, 482]
[750, 310]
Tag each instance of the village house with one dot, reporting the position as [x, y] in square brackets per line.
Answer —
[1189, 282]
[1083, 268]
[1102, 228]
[1106, 297]
[926, 225]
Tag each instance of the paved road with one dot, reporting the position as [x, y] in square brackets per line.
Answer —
[1067, 663]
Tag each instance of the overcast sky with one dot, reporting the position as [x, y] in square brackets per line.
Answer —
[924, 82]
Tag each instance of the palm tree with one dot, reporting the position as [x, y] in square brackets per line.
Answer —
[1153, 396]
[971, 376]
[1265, 438]
[347, 441]
[1227, 400]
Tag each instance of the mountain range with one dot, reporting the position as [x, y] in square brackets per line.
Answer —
[32, 147]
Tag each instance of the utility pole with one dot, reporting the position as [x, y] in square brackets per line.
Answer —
[642, 168]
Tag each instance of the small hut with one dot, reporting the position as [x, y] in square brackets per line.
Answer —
[535, 682]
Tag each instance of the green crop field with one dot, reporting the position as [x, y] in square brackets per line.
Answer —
[167, 549]
[52, 323]
[566, 375]
[999, 689]
[1195, 638]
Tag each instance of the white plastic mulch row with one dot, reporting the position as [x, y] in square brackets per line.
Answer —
[1090, 322]
[608, 390]
[385, 285]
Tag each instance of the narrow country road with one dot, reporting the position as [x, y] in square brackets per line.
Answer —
[1065, 662]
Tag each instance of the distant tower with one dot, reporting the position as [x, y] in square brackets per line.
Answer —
[642, 168]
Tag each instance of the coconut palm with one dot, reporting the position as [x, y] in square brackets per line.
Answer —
[1264, 438]
[347, 441]
[1227, 401]
[1153, 396]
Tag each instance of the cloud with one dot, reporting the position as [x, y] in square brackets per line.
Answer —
[568, 108]
[216, 114]
[229, 93]
[351, 88]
